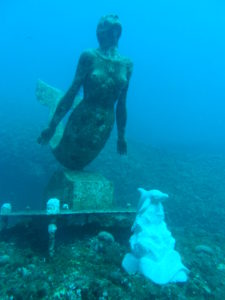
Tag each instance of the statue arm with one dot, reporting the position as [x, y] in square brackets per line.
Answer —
[121, 115]
[66, 102]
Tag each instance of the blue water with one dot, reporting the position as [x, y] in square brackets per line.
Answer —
[176, 94]
[177, 90]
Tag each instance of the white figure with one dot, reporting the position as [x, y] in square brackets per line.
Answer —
[53, 206]
[65, 206]
[152, 245]
[51, 231]
[6, 208]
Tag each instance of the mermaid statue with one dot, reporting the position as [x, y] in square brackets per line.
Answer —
[104, 76]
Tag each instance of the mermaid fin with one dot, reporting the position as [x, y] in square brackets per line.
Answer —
[50, 97]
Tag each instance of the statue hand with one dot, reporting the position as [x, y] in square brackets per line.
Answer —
[122, 146]
[45, 136]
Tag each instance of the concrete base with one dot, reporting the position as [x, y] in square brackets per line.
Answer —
[80, 190]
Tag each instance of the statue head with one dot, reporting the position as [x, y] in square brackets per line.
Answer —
[109, 31]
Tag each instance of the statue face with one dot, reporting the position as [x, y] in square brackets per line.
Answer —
[108, 31]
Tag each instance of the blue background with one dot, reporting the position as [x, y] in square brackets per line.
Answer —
[177, 90]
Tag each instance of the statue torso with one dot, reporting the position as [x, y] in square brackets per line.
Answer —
[90, 123]
[105, 80]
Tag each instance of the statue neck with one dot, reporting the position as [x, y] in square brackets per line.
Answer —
[108, 53]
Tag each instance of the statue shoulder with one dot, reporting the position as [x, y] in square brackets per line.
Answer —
[87, 57]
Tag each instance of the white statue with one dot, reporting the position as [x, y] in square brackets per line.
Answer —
[53, 206]
[6, 209]
[51, 231]
[152, 245]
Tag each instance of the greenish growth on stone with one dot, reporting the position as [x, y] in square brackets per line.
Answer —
[80, 190]
[103, 75]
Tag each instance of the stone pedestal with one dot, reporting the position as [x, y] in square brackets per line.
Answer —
[80, 190]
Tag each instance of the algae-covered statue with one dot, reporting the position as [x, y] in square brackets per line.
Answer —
[104, 76]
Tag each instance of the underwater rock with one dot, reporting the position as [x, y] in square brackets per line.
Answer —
[42, 291]
[103, 242]
[108, 249]
[24, 272]
[80, 190]
[116, 277]
[205, 249]
[4, 259]
[106, 237]
[221, 267]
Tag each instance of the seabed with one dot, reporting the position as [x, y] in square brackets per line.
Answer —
[83, 260]
[40, 219]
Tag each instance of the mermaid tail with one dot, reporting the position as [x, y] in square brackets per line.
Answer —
[78, 141]
[50, 96]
